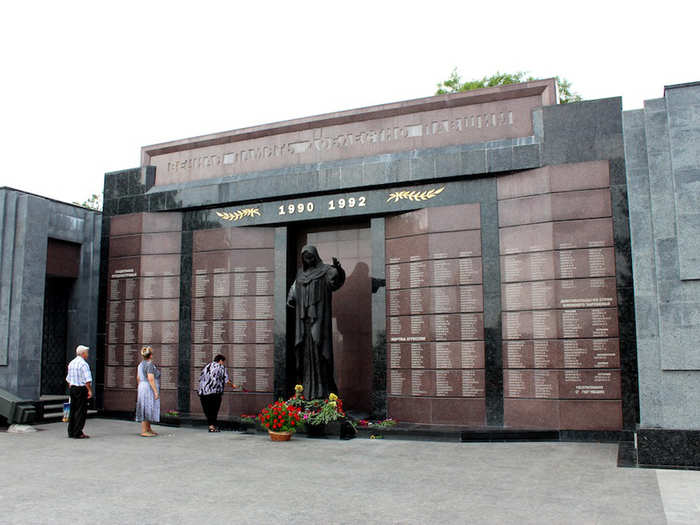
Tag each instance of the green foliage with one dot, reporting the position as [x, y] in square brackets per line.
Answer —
[94, 202]
[329, 412]
[454, 84]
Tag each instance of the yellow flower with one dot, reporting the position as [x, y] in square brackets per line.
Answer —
[299, 388]
[333, 397]
[332, 403]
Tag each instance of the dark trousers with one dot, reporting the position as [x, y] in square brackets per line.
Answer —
[211, 404]
[78, 410]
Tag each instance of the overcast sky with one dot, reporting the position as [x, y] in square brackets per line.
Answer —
[85, 84]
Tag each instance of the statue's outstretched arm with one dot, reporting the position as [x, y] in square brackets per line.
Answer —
[292, 295]
[336, 276]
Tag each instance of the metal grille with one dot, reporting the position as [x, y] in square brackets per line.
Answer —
[53, 352]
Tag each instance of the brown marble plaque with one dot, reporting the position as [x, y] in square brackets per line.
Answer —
[590, 415]
[446, 299]
[558, 324]
[542, 324]
[168, 378]
[423, 383]
[233, 239]
[438, 219]
[448, 383]
[555, 207]
[399, 382]
[159, 287]
[119, 400]
[434, 246]
[591, 262]
[159, 310]
[530, 238]
[160, 243]
[590, 384]
[535, 266]
[534, 353]
[124, 268]
[158, 332]
[591, 353]
[585, 323]
[157, 265]
[563, 177]
[399, 355]
[127, 245]
[126, 224]
[446, 272]
[586, 293]
[537, 295]
[439, 411]
[531, 413]
[589, 233]
[251, 332]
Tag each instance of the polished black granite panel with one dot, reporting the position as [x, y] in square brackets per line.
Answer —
[670, 448]
[185, 335]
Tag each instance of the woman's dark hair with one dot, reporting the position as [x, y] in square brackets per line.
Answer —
[219, 357]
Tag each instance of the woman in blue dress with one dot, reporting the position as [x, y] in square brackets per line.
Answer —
[148, 394]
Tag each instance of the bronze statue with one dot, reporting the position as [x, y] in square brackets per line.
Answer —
[310, 296]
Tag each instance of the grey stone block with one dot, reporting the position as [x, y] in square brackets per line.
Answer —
[500, 159]
[682, 116]
[667, 259]
[422, 167]
[474, 161]
[685, 153]
[351, 176]
[682, 95]
[376, 173]
[646, 316]
[398, 169]
[655, 105]
[525, 157]
[448, 165]
[632, 119]
[689, 246]
[636, 147]
[583, 131]
[675, 291]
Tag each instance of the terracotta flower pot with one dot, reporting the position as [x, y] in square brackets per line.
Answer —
[279, 436]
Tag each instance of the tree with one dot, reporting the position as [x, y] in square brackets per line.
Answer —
[454, 84]
[92, 203]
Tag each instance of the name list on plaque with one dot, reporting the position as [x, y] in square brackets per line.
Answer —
[561, 348]
[435, 320]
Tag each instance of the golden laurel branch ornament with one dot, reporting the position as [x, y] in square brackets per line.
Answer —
[239, 214]
[414, 195]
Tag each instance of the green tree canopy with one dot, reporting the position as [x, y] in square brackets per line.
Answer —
[94, 202]
[454, 84]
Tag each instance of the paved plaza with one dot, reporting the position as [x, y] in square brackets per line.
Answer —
[187, 475]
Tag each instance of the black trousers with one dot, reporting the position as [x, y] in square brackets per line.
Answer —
[78, 410]
[211, 404]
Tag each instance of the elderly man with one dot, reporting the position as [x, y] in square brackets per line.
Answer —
[79, 380]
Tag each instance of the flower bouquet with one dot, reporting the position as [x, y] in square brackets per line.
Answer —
[329, 410]
[376, 427]
[280, 420]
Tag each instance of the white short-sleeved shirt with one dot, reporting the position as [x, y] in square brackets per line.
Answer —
[78, 372]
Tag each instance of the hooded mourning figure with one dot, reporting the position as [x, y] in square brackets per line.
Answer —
[310, 296]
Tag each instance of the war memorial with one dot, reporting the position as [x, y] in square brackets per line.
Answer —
[511, 265]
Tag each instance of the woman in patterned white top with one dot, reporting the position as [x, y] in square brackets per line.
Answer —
[212, 381]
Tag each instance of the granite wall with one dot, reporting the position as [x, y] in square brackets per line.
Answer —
[580, 141]
[663, 174]
[26, 223]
